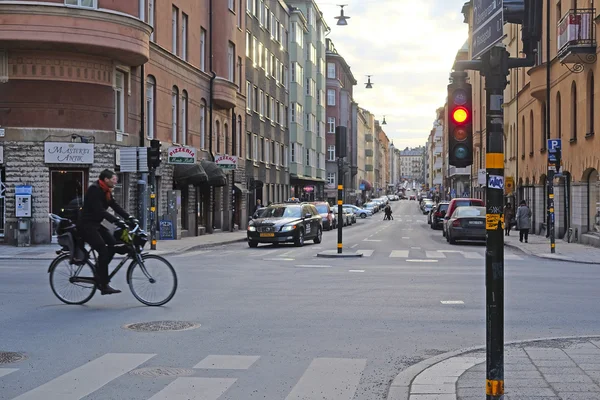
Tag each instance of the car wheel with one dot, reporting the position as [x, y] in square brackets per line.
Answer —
[252, 244]
[450, 240]
[299, 242]
[432, 225]
[443, 232]
[447, 237]
[319, 236]
[363, 215]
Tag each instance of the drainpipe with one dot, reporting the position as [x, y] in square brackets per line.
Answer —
[143, 182]
[517, 188]
[210, 115]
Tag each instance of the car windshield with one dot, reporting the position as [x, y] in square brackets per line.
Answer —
[282, 212]
[470, 212]
[463, 203]
[443, 207]
[322, 208]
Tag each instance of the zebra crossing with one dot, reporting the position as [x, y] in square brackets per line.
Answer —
[416, 253]
[323, 378]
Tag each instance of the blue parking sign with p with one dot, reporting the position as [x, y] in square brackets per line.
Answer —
[554, 144]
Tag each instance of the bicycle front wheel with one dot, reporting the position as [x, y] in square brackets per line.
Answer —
[154, 281]
[63, 285]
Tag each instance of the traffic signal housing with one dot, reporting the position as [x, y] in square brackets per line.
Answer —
[154, 154]
[460, 123]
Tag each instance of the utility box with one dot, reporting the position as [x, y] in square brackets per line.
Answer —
[23, 212]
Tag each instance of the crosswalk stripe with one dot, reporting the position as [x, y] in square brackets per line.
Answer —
[399, 253]
[434, 254]
[513, 257]
[6, 371]
[193, 253]
[473, 255]
[366, 253]
[329, 378]
[261, 253]
[226, 362]
[88, 378]
[192, 388]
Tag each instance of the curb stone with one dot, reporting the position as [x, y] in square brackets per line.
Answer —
[550, 256]
[400, 387]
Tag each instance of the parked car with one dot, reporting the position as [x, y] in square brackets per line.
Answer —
[428, 205]
[361, 212]
[412, 197]
[454, 204]
[327, 214]
[280, 223]
[371, 206]
[466, 223]
[350, 212]
[437, 214]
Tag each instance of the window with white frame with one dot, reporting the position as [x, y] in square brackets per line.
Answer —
[285, 77]
[248, 145]
[256, 99]
[174, 29]
[331, 153]
[321, 98]
[261, 110]
[267, 106]
[285, 156]
[267, 152]
[331, 178]
[331, 70]
[119, 101]
[267, 19]
[238, 136]
[322, 161]
[261, 142]
[249, 6]
[312, 123]
[174, 113]
[254, 51]
[231, 61]
[287, 117]
[299, 74]
[274, 25]
[272, 66]
[331, 97]
[281, 114]
[184, 34]
[203, 49]
[312, 54]
[151, 17]
[203, 124]
[255, 148]
[308, 160]
[248, 97]
[272, 110]
[299, 112]
[277, 154]
[150, 106]
[331, 124]
[260, 55]
[321, 131]
[184, 109]
[298, 34]
[240, 14]
[82, 3]
[293, 112]
[231, 5]
[248, 44]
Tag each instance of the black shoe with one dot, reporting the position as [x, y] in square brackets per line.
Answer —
[107, 289]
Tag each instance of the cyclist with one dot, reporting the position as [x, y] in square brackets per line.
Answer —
[98, 198]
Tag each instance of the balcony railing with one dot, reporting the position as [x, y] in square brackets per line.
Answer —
[576, 36]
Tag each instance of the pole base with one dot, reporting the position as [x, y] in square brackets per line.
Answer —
[335, 254]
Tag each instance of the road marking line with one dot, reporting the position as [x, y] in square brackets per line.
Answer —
[416, 248]
[434, 254]
[261, 253]
[512, 257]
[356, 270]
[354, 245]
[366, 253]
[452, 302]
[6, 371]
[405, 237]
[329, 378]
[473, 255]
[278, 259]
[371, 240]
[423, 261]
[226, 362]
[399, 253]
[312, 266]
[88, 378]
[190, 388]
[450, 251]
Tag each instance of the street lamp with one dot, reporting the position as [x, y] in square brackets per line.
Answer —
[369, 85]
[384, 123]
[342, 18]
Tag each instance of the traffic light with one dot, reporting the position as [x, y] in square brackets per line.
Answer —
[527, 13]
[340, 141]
[460, 123]
[154, 154]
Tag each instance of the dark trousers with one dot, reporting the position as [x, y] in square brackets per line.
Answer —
[523, 234]
[100, 239]
[507, 228]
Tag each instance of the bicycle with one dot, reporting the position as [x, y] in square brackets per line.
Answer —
[72, 273]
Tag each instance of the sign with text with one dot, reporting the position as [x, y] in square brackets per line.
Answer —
[68, 153]
[226, 162]
[488, 26]
[554, 154]
[181, 155]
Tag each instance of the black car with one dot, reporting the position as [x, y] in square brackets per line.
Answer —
[280, 223]
[438, 213]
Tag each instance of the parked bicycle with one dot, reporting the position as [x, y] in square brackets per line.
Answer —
[151, 278]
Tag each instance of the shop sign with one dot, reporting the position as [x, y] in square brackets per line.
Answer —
[181, 155]
[1, 155]
[68, 153]
[226, 162]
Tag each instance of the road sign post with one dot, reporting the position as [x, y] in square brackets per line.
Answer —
[554, 161]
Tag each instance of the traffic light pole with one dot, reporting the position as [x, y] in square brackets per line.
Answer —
[153, 208]
[340, 222]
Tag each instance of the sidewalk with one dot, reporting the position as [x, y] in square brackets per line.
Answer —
[539, 246]
[549, 369]
[163, 247]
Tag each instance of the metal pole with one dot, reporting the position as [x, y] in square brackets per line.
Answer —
[495, 71]
[232, 200]
[340, 202]
[153, 209]
[550, 218]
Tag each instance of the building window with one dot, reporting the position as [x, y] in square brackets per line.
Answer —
[331, 97]
[226, 139]
[331, 178]
[240, 14]
[331, 124]
[272, 110]
[203, 49]
[151, 17]
[293, 112]
[203, 124]
[249, 6]
[184, 34]
[543, 125]
[255, 99]
[174, 113]
[174, 29]
[261, 109]
[217, 143]
[331, 70]
[331, 153]
[590, 104]
[293, 152]
[119, 101]
[260, 55]
[184, 110]
[150, 106]
[231, 5]
[558, 116]
[255, 148]
[248, 145]
[248, 44]
[238, 135]
[82, 3]
[531, 133]
[573, 112]
[308, 157]
[248, 97]
[231, 61]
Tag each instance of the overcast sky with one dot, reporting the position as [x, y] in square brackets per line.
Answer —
[408, 46]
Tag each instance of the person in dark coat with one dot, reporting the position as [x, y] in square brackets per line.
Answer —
[523, 221]
[508, 216]
[97, 200]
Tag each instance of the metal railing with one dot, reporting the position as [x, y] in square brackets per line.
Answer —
[576, 28]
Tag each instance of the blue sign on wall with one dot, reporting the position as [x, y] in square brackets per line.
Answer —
[24, 189]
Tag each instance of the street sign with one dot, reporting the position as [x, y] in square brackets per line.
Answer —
[488, 26]
[554, 154]
[226, 162]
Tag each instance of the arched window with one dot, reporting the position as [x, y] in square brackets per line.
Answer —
[150, 107]
[226, 138]
[202, 124]
[238, 137]
[174, 113]
[184, 115]
[590, 104]
[514, 141]
[508, 144]
[531, 133]
[543, 135]
[523, 138]
[558, 116]
[218, 136]
[573, 112]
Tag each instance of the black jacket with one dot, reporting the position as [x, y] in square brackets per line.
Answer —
[95, 206]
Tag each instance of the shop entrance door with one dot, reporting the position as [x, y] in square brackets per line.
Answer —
[67, 188]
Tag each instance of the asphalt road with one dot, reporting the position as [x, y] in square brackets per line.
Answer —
[279, 323]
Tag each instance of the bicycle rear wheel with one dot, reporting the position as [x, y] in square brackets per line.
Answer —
[62, 285]
[153, 282]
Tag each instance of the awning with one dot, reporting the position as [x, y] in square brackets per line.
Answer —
[367, 185]
[191, 174]
[240, 188]
[216, 176]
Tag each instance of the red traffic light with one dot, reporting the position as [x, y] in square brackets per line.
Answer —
[460, 115]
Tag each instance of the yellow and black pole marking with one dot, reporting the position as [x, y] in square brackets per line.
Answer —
[152, 209]
[495, 70]
[340, 215]
[551, 215]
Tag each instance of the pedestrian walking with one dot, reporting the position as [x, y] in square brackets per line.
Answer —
[258, 205]
[508, 219]
[523, 221]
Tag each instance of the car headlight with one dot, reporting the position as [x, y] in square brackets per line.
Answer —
[251, 228]
[287, 228]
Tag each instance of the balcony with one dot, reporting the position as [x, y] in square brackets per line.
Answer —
[576, 35]
[225, 93]
[105, 33]
[369, 167]
[368, 153]
[369, 138]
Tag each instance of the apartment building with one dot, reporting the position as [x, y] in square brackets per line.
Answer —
[382, 161]
[436, 157]
[267, 102]
[307, 100]
[411, 163]
[365, 140]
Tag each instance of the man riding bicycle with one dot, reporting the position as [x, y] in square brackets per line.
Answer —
[98, 198]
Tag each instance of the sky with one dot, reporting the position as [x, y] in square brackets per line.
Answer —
[408, 46]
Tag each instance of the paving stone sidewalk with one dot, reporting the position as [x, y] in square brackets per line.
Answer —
[539, 246]
[48, 251]
[545, 369]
